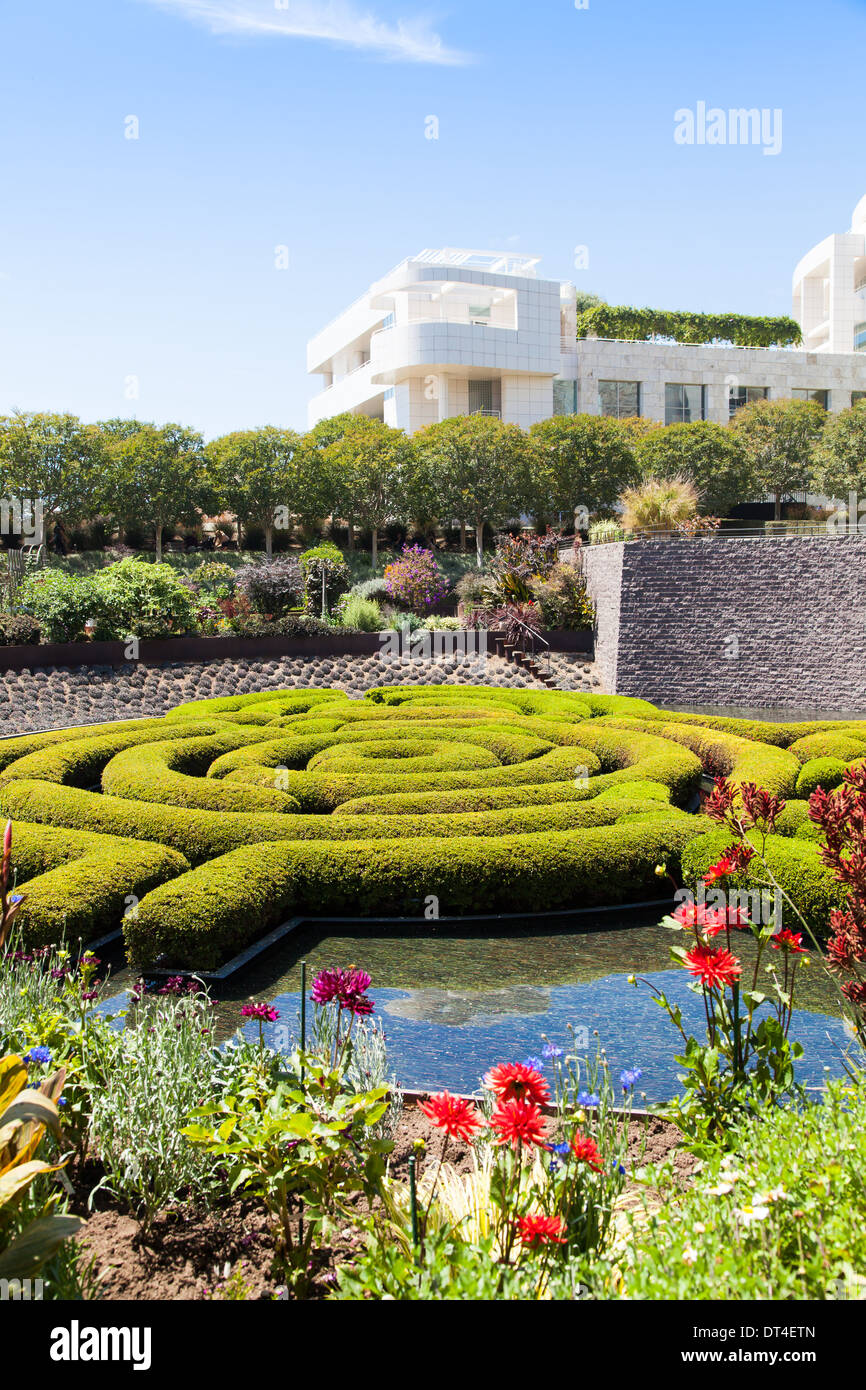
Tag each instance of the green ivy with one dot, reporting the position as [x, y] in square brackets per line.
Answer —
[742, 330]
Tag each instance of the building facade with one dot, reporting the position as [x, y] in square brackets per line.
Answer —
[459, 332]
[830, 290]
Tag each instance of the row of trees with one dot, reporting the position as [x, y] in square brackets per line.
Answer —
[470, 469]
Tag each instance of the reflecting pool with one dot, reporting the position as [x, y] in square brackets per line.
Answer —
[453, 1001]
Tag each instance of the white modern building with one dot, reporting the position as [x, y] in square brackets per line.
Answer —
[830, 290]
[458, 332]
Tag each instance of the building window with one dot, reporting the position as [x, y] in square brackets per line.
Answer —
[485, 398]
[857, 396]
[800, 393]
[683, 404]
[564, 396]
[620, 399]
[742, 395]
[389, 394]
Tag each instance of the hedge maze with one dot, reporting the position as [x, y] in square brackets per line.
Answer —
[201, 831]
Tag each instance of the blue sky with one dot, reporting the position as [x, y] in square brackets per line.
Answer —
[149, 264]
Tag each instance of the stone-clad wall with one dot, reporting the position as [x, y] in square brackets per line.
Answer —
[741, 622]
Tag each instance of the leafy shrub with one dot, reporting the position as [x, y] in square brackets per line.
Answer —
[435, 623]
[149, 601]
[361, 613]
[132, 597]
[415, 580]
[62, 604]
[19, 630]
[155, 1072]
[273, 587]
[376, 589]
[324, 561]
[528, 555]
[213, 580]
[398, 621]
[563, 599]
[303, 625]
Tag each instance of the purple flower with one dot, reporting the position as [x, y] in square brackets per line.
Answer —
[347, 988]
[265, 1013]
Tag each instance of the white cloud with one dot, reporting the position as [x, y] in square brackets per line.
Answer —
[337, 21]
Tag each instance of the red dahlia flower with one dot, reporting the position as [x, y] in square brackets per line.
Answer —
[517, 1122]
[515, 1081]
[695, 916]
[536, 1229]
[788, 941]
[586, 1150]
[713, 967]
[723, 869]
[457, 1117]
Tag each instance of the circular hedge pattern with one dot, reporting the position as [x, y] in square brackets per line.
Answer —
[201, 831]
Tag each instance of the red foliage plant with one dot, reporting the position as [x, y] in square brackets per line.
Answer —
[841, 815]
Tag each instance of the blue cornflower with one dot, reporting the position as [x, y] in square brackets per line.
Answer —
[61, 1100]
[618, 1168]
[534, 1062]
[588, 1099]
[38, 1054]
[557, 1151]
[551, 1051]
[630, 1077]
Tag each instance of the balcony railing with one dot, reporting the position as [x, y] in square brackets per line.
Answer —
[491, 414]
[446, 323]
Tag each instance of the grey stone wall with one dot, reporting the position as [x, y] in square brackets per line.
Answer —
[759, 622]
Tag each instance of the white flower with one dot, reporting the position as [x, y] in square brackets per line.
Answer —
[775, 1194]
[690, 1255]
[721, 1189]
[751, 1214]
[699, 1228]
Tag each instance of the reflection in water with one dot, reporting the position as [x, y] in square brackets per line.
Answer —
[453, 1008]
[454, 1002]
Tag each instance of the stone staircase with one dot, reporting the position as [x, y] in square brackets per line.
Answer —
[533, 666]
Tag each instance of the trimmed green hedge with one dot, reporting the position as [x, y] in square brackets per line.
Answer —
[636, 325]
[171, 773]
[80, 762]
[261, 805]
[723, 754]
[220, 907]
[828, 773]
[79, 885]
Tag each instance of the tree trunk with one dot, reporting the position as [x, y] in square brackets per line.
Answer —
[463, 537]
[375, 548]
[269, 542]
[778, 512]
[240, 532]
[158, 529]
[351, 536]
[479, 544]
